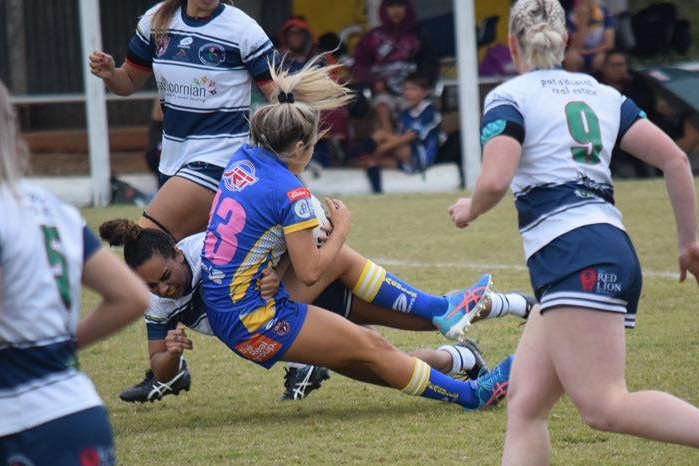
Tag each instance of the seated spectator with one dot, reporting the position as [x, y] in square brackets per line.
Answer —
[415, 146]
[591, 36]
[387, 54]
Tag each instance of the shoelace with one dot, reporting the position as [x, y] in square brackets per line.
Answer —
[160, 388]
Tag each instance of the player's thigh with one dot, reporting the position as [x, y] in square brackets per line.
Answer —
[534, 387]
[181, 206]
[331, 341]
[347, 266]
[588, 350]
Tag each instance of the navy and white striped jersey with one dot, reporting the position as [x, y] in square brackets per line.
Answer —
[203, 69]
[43, 246]
[164, 313]
[568, 124]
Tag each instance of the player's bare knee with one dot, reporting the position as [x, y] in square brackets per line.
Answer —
[599, 416]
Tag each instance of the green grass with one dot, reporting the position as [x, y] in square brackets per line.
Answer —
[231, 415]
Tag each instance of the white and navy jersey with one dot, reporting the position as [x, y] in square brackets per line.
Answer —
[43, 246]
[203, 69]
[164, 313]
[568, 124]
[424, 121]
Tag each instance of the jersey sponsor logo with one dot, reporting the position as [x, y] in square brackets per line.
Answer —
[303, 208]
[161, 44]
[258, 348]
[212, 54]
[240, 176]
[197, 90]
[298, 193]
[185, 42]
[600, 281]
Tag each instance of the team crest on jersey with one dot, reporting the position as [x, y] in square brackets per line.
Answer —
[161, 44]
[212, 54]
[240, 176]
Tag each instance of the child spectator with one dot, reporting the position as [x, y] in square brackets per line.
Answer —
[387, 54]
[591, 35]
[414, 147]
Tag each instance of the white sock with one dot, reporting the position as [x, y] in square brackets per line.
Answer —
[503, 304]
[462, 359]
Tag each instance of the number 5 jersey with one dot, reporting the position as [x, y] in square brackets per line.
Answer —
[43, 246]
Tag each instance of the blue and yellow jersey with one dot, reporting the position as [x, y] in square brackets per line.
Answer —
[258, 201]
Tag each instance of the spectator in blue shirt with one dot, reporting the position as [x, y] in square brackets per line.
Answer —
[414, 147]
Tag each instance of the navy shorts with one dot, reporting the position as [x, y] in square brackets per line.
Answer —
[592, 267]
[336, 298]
[80, 439]
[204, 174]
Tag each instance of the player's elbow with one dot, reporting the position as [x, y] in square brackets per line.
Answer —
[309, 276]
[494, 186]
[678, 163]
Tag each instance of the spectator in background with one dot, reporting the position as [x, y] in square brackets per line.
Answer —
[296, 43]
[616, 73]
[414, 147]
[297, 46]
[681, 126]
[590, 35]
[387, 54]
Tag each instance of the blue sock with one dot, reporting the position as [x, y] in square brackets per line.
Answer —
[379, 287]
[429, 383]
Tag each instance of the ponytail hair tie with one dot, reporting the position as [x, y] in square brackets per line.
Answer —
[285, 97]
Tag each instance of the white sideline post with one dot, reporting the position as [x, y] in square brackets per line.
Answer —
[95, 105]
[469, 101]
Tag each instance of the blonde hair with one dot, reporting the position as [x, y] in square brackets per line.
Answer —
[13, 150]
[162, 17]
[294, 114]
[540, 29]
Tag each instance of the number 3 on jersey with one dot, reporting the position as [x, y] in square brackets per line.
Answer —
[583, 125]
[227, 220]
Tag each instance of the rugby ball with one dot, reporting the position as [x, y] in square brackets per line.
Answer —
[322, 217]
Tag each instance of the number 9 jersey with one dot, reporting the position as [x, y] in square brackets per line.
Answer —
[567, 124]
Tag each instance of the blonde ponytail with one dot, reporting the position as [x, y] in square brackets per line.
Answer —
[294, 113]
[539, 26]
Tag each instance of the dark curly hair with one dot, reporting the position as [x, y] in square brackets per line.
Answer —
[140, 244]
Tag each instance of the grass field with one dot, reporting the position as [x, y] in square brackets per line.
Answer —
[231, 415]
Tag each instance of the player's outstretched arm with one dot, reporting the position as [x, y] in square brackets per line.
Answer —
[122, 81]
[124, 297]
[501, 157]
[647, 142]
